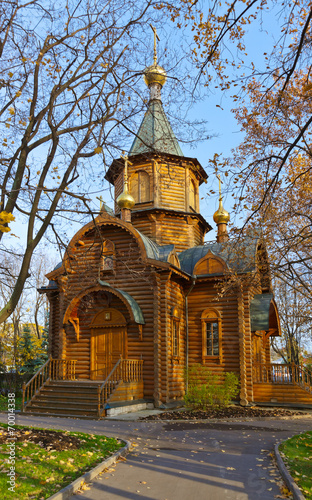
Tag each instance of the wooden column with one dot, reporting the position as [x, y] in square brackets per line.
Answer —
[157, 342]
[126, 214]
[187, 189]
[242, 350]
[156, 187]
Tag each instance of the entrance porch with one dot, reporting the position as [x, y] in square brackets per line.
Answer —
[277, 383]
[55, 390]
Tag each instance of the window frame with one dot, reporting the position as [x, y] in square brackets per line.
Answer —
[107, 252]
[175, 334]
[193, 192]
[211, 316]
[138, 174]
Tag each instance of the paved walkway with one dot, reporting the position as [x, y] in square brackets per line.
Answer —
[186, 460]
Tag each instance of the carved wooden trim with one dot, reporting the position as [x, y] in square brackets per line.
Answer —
[75, 323]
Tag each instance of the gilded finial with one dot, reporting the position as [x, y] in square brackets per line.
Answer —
[156, 37]
[155, 73]
[221, 216]
[125, 200]
[220, 182]
[126, 171]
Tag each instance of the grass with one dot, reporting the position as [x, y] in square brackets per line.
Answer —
[41, 473]
[4, 403]
[297, 453]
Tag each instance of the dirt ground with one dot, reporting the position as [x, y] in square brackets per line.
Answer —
[50, 440]
[224, 413]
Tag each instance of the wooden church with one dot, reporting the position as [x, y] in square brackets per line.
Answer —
[136, 299]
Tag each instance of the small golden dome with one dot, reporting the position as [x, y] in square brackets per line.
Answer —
[155, 74]
[125, 200]
[221, 216]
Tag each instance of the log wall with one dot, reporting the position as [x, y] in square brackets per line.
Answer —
[184, 231]
[203, 296]
[175, 364]
[131, 275]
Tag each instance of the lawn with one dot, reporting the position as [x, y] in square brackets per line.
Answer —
[4, 403]
[297, 454]
[48, 460]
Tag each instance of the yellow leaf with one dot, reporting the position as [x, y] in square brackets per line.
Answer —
[98, 150]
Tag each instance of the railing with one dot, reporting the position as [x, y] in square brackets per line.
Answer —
[125, 370]
[53, 369]
[302, 377]
[275, 373]
[62, 369]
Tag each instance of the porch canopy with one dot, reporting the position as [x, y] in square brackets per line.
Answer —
[264, 315]
[134, 306]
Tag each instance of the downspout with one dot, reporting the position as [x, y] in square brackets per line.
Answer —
[187, 330]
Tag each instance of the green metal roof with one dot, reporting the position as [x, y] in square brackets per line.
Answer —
[260, 312]
[239, 255]
[155, 133]
[137, 312]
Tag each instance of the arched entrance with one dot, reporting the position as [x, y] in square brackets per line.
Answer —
[108, 342]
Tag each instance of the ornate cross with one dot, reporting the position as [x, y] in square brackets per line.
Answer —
[155, 43]
[101, 201]
[126, 169]
[220, 182]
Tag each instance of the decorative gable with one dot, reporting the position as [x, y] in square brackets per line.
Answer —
[210, 265]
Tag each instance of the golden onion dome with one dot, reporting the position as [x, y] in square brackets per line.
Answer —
[155, 74]
[221, 216]
[125, 200]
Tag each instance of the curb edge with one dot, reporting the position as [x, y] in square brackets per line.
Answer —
[73, 487]
[290, 483]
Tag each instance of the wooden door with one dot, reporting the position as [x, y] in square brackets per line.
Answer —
[101, 355]
[108, 347]
[108, 342]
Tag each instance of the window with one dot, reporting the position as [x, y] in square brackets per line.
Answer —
[175, 338]
[211, 331]
[140, 187]
[108, 256]
[193, 193]
[212, 338]
[175, 332]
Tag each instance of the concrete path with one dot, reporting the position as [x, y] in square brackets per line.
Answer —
[186, 460]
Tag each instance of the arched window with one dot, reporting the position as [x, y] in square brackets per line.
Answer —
[108, 256]
[175, 340]
[140, 186]
[211, 333]
[193, 194]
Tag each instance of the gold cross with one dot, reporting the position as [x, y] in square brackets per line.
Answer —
[220, 182]
[126, 169]
[101, 201]
[155, 43]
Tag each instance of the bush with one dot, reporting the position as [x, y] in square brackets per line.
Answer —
[208, 389]
[12, 382]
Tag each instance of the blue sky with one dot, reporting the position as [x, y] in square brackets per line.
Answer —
[215, 108]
